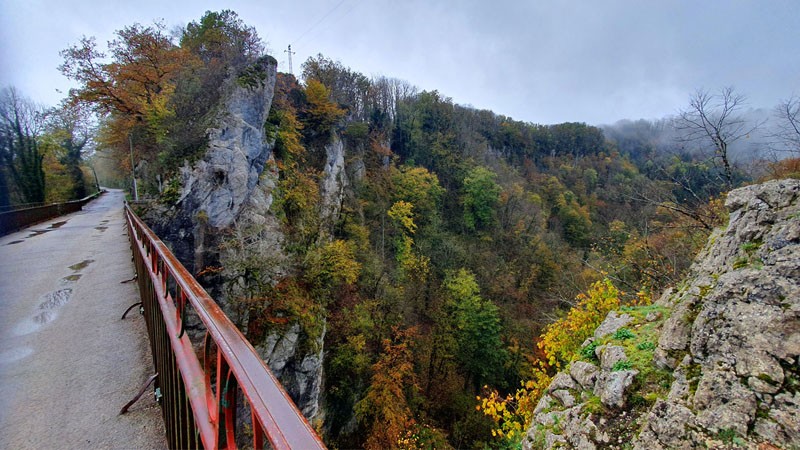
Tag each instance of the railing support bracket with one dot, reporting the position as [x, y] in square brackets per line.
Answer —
[141, 309]
[132, 279]
[139, 395]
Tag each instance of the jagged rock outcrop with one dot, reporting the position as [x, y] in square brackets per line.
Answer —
[216, 189]
[221, 226]
[334, 182]
[726, 367]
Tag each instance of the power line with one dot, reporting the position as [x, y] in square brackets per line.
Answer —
[336, 20]
[319, 21]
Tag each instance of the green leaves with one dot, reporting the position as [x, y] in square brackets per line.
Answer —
[481, 196]
[476, 323]
[331, 266]
[623, 333]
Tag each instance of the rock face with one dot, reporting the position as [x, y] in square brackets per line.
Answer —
[334, 182]
[216, 190]
[728, 344]
[222, 222]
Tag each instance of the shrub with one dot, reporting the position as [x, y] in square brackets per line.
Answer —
[623, 333]
[621, 365]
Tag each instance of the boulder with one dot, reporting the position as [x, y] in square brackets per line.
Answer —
[584, 373]
[611, 386]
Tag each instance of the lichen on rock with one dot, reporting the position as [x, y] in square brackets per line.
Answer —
[729, 337]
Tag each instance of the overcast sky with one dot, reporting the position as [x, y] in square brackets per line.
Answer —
[541, 61]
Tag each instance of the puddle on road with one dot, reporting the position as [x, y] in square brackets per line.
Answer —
[43, 317]
[15, 242]
[81, 265]
[46, 313]
[51, 302]
[101, 228]
[56, 298]
[27, 326]
[53, 226]
[15, 354]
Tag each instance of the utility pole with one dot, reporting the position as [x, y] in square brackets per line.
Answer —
[290, 53]
[133, 171]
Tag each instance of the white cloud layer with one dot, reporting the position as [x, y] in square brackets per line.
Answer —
[538, 61]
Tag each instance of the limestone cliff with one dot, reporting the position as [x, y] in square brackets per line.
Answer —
[223, 231]
[715, 363]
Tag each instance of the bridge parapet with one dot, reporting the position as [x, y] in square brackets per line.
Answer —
[33, 213]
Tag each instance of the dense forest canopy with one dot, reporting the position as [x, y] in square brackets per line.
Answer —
[463, 235]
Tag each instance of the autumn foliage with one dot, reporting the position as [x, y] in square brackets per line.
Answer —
[560, 343]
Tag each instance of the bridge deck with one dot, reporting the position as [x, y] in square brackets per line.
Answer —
[67, 361]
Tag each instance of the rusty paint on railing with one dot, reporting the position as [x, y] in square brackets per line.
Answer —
[200, 401]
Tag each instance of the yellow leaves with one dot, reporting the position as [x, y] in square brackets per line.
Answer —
[322, 112]
[419, 187]
[642, 299]
[289, 137]
[560, 343]
[402, 213]
[334, 263]
[562, 339]
[514, 412]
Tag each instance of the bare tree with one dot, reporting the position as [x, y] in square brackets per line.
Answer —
[786, 137]
[713, 120]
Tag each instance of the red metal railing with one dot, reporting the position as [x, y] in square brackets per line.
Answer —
[200, 402]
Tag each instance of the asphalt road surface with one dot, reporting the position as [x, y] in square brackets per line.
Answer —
[67, 362]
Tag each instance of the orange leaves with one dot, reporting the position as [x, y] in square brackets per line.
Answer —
[385, 407]
[134, 89]
[144, 64]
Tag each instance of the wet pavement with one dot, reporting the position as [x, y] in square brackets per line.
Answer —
[67, 361]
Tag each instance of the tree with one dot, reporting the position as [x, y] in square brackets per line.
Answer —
[144, 62]
[711, 119]
[331, 266]
[385, 408]
[476, 324]
[322, 113]
[349, 89]
[133, 91]
[787, 135]
[481, 196]
[20, 126]
[222, 39]
[419, 187]
[70, 125]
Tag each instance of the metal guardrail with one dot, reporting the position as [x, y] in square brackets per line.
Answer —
[200, 402]
[21, 218]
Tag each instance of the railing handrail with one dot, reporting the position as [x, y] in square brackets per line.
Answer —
[17, 219]
[34, 205]
[273, 412]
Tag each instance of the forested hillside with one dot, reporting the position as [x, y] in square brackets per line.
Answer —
[426, 271]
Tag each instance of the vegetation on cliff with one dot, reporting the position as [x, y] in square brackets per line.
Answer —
[450, 240]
